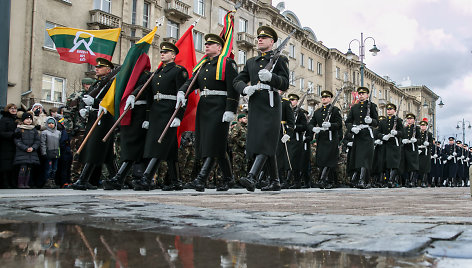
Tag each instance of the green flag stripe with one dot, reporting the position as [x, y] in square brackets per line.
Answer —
[98, 45]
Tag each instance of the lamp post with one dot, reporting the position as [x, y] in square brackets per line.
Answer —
[463, 128]
[362, 41]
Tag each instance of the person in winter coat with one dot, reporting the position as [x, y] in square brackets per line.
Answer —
[27, 143]
[63, 173]
[50, 151]
[7, 145]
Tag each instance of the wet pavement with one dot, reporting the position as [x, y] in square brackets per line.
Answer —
[292, 228]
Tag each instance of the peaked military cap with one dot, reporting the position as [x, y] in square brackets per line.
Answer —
[466, 145]
[459, 142]
[363, 90]
[410, 116]
[241, 116]
[451, 138]
[168, 46]
[391, 106]
[214, 39]
[101, 62]
[293, 97]
[326, 94]
[424, 122]
[266, 31]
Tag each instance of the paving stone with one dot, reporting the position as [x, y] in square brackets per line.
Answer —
[452, 249]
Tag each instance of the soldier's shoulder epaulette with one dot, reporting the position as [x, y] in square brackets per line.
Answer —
[285, 99]
[179, 66]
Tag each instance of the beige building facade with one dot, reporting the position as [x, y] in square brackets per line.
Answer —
[36, 74]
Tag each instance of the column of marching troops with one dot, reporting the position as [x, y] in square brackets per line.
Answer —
[271, 147]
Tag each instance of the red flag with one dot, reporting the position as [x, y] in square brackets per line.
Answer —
[355, 98]
[187, 59]
[142, 64]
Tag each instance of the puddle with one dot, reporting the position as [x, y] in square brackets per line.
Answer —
[67, 245]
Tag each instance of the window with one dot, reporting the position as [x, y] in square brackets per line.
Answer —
[292, 51]
[302, 59]
[198, 40]
[310, 64]
[319, 68]
[302, 83]
[146, 11]
[221, 15]
[242, 25]
[374, 91]
[310, 87]
[241, 57]
[47, 39]
[338, 73]
[318, 90]
[292, 78]
[103, 5]
[346, 76]
[354, 78]
[53, 88]
[172, 29]
[133, 12]
[199, 7]
[380, 93]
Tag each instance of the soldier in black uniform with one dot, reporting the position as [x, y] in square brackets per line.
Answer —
[450, 162]
[425, 146]
[360, 123]
[161, 95]
[410, 149]
[328, 133]
[284, 162]
[216, 109]
[377, 176]
[95, 153]
[265, 108]
[391, 131]
[466, 165]
[460, 165]
[295, 144]
[436, 163]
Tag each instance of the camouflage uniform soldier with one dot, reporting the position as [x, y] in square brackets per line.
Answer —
[187, 156]
[237, 141]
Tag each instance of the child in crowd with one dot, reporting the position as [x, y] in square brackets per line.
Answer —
[27, 143]
[50, 138]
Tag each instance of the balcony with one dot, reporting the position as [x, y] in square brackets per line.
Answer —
[245, 40]
[177, 10]
[312, 99]
[382, 103]
[170, 40]
[102, 20]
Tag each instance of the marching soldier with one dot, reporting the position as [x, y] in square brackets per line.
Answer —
[238, 144]
[450, 163]
[466, 164]
[436, 163]
[295, 144]
[460, 165]
[379, 157]
[410, 149]
[425, 146]
[162, 93]
[360, 120]
[95, 152]
[391, 130]
[265, 108]
[327, 128]
[216, 109]
[284, 163]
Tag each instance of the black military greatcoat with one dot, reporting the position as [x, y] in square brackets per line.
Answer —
[425, 151]
[211, 134]
[327, 141]
[167, 80]
[288, 121]
[393, 147]
[363, 144]
[263, 120]
[95, 151]
[450, 168]
[410, 150]
[295, 144]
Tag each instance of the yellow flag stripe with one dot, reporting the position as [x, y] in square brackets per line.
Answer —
[108, 101]
[110, 34]
[149, 37]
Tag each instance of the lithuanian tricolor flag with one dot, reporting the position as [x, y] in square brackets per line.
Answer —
[84, 46]
[114, 95]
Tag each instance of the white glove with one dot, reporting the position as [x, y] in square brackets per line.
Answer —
[426, 143]
[88, 100]
[316, 130]
[228, 116]
[386, 137]
[368, 120]
[83, 112]
[180, 100]
[102, 109]
[265, 75]
[355, 130]
[454, 153]
[444, 162]
[405, 141]
[349, 144]
[145, 125]
[285, 138]
[249, 90]
[462, 157]
[419, 151]
[413, 140]
[130, 102]
[326, 125]
[449, 157]
[393, 132]
[175, 123]
[378, 142]
[435, 155]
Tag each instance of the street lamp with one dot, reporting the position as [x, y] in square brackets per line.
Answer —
[441, 103]
[362, 41]
[463, 128]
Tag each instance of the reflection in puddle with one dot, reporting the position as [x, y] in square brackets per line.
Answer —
[68, 245]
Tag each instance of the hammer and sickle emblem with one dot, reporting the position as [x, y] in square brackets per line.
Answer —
[78, 42]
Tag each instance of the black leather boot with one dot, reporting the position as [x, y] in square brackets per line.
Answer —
[285, 181]
[225, 166]
[324, 179]
[354, 179]
[116, 183]
[423, 180]
[250, 180]
[145, 183]
[361, 184]
[200, 181]
[297, 180]
[409, 183]
[274, 176]
[83, 182]
[391, 178]
[175, 175]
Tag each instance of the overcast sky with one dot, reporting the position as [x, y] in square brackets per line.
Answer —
[429, 41]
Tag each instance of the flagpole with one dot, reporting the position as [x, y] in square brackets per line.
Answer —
[90, 132]
[177, 109]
